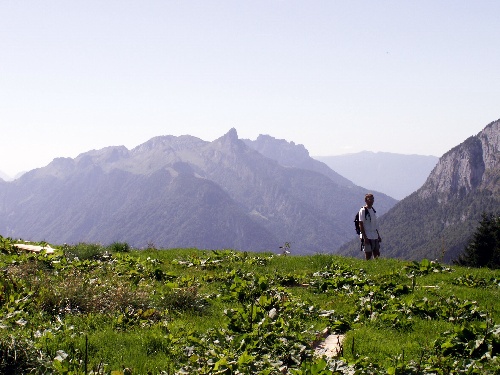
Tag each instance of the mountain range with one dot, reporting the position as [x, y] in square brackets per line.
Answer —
[396, 175]
[247, 195]
[438, 219]
[185, 192]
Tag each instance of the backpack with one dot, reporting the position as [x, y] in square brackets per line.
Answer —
[356, 219]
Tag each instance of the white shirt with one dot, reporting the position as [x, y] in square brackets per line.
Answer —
[370, 223]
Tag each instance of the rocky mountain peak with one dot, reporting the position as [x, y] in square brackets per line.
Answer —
[230, 137]
[228, 141]
[232, 134]
[467, 167]
[287, 153]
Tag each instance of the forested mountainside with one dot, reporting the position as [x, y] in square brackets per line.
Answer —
[438, 219]
[183, 192]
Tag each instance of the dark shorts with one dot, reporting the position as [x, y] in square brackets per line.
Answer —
[372, 246]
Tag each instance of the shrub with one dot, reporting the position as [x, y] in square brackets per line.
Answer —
[84, 251]
[76, 293]
[184, 299]
[119, 247]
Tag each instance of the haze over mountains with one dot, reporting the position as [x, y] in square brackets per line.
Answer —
[4, 176]
[396, 175]
[186, 192]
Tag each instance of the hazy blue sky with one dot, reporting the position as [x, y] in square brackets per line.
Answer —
[413, 77]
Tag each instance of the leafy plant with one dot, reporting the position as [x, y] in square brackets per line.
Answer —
[206, 312]
[471, 341]
[21, 356]
[473, 281]
[425, 267]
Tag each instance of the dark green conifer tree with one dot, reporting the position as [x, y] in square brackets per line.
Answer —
[483, 249]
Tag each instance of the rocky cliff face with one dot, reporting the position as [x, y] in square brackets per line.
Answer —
[466, 168]
[490, 140]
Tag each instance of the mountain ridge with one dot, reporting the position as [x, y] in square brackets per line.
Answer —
[181, 191]
[294, 155]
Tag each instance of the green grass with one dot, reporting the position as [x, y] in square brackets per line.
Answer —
[209, 311]
[383, 346]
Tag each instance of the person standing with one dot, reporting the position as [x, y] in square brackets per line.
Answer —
[369, 228]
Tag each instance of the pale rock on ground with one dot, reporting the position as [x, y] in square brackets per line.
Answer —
[330, 346]
[34, 248]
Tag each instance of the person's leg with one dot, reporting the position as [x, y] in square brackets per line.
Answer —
[368, 249]
[375, 248]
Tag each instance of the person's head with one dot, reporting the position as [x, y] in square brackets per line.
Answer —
[369, 199]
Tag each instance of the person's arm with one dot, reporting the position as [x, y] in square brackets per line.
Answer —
[379, 238]
[362, 216]
[362, 228]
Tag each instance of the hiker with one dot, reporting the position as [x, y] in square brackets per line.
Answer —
[368, 226]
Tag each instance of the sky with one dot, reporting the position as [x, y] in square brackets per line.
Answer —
[409, 77]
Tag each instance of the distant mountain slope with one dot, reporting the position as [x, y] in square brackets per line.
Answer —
[182, 192]
[290, 154]
[4, 176]
[396, 175]
[438, 219]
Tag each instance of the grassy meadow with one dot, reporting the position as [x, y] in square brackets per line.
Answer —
[89, 309]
